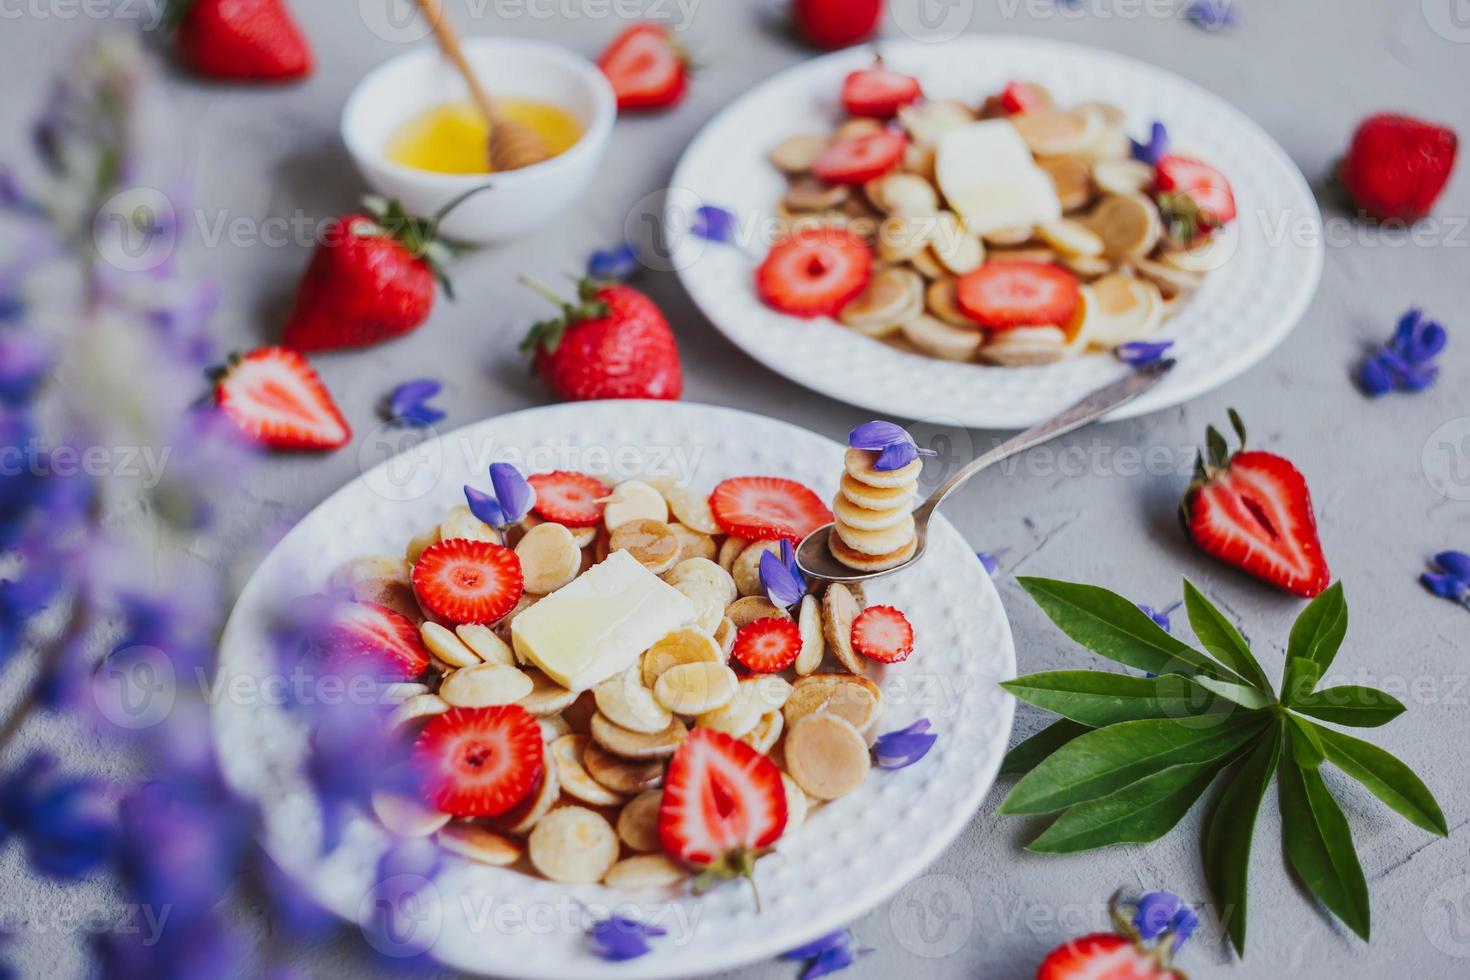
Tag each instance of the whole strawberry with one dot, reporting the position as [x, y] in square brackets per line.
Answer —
[836, 23]
[612, 343]
[1253, 510]
[372, 278]
[1397, 166]
[1146, 935]
[239, 40]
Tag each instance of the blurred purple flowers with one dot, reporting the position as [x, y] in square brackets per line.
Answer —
[1142, 353]
[900, 749]
[1450, 577]
[1155, 149]
[829, 954]
[511, 501]
[781, 577]
[1161, 616]
[408, 404]
[64, 823]
[714, 225]
[1211, 15]
[618, 938]
[1159, 913]
[891, 441]
[616, 264]
[1406, 362]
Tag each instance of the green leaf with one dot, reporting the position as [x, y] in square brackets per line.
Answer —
[1096, 699]
[1136, 814]
[1351, 704]
[1300, 679]
[1319, 846]
[1106, 760]
[1247, 697]
[1385, 777]
[1319, 630]
[1028, 754]
[1306, 747]
[1231, 827]
[1222, 639]
[1108, 624]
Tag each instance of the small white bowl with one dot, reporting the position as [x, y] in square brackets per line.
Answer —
[518, 201]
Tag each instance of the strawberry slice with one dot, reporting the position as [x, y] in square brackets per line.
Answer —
[878, 93]
[366, 629]
[466, 581]
[1103, 956]
[882, 633]
[1204, 189]
[1021, 97]
[723, 804]
[767, 508]
[276, 399]
[647, 67]
[1002, 295]
[1253, 510]
[767, 645]
[569, 499]
[479, 762]
[858, 159]
[815, 272]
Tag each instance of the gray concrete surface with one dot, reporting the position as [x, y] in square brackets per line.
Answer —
[1306, 71]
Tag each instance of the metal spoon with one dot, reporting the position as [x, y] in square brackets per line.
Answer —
[815, 558]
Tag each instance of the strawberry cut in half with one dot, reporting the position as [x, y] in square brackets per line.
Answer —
[567, 498]
[1019, 97]
[859, 159]
[647, 67]
[1195, 198]
[1253, 510]
[466, 581]
[479, 762]
[815, 272]
[767, 508]
[276, 399]
[1103, 956]
[879, 93]
[883, 634]
[368, 630]
[768, 645]
[723, 804]
[1004, 295]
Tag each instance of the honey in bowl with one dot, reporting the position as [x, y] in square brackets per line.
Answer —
[454, 138]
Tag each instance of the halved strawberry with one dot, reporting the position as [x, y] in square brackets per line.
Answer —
[723, 804]
[567, 498]
[767, 508]
[1021, 97]
[277, 400]
[466, 581]
[366, 629]
[882, 633]
[1103, 956]
[879, 93]
[1253, 510]
[646, 66]
[1194, 196]
[479, 762]
[767, 645]
[815, 272]
[858, 159]
[1002, 295]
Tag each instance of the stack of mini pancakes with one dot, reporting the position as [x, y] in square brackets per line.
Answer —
[873, 514]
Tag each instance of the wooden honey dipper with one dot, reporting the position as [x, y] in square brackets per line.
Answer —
[513, 145]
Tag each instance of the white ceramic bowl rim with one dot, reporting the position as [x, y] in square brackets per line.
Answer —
[604, 113]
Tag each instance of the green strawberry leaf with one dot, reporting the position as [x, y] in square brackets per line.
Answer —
[1105, 760]
[1096, 698]
[1317, 635]
[1231, 827]
[1385, 777]
[1319, 845]
[1027, 755]
[1220, 638]
[1351, 704]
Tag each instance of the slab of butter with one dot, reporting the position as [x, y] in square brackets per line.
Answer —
[991, 180]
[597, 626]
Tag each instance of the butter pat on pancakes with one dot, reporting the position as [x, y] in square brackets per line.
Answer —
[873, 524]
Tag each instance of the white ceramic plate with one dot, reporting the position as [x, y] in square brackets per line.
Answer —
[849, 855]
[1246, 308]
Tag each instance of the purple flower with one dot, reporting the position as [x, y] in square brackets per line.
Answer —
[1406, 362]
[991, 563]
[24, 360]
[891, 441]
[900, 749]
[1155, 149]
[1450, 578]
[618, 938]
[407, 404]
[1160, 616]
[512, 500]
[617, 264]
[781, 577]
[1159, 913]
[826, 954]
[1141, 353]
[1211, 15]
[714, 225]
[62, 821]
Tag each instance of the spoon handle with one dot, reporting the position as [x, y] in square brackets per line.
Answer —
[448, 39]
[1093, 407]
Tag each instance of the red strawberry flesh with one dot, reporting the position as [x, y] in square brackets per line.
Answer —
[766, 646]
[479, 762]
[464, 581]
[721, 797]
[815, 273]
[1003, 295]
[883, 634]
[646, 67]
[275, 397]
[767, 508]
[859, 159]
[366, 629]
[878, 93]
[1102, 956]
[567, 498]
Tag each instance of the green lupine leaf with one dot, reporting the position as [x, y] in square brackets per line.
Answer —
[1319, 631]
[1351, 704]
[1108, 624]
[1106, 760]
[1135, 814]
[1231, 828]
[1028, 754]
[1219, 637]
[1096, 698]
[1306, 748]
[1300, 679]
[1319, 845]
[1385, 777]
[1250, 698]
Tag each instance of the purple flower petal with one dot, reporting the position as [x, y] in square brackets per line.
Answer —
[896, 457]
[1445, 586]
[486, 507]
[831, 961]
[990, 562]
[1160, 616]
[1183, 925]
[1155, 149]
[515, 495]
[781, 577]
[1154, 913]
[897, 750]
[1211, 15]
[1374, 378]
[618, 263]
[877, 436]
[1456, 563]
[406, 403]
[618, 938]
[714, 224]
[810, 951]
[1140, 353]
[24, 361]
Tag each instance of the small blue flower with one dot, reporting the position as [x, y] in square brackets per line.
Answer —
[617, 264]
[61, 821]
[891, 441]
[1450, 578]
[1160, 616]
[618, 938]
[991, 563]
[1141, 353]
[714, 225]
[900, 749]
[1155, 149]
[1406, 362]
[512, 500]
[1211, 15]
[1161, 912]
[781, 577]
[407, 404]
[24, 361]
[826, 955]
